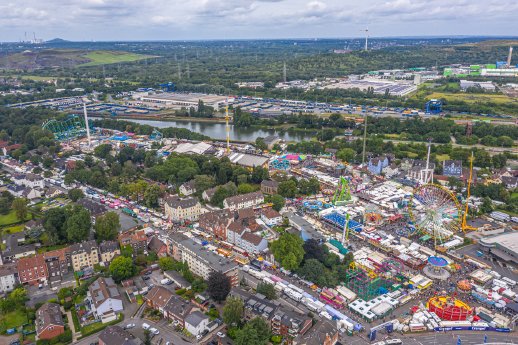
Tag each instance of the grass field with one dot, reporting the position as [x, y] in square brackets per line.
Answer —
[12, 320]
[471, 98]
[10, 218]
[108, 57]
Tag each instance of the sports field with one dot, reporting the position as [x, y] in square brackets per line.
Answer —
[108, 57]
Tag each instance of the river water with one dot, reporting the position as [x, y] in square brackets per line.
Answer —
[217, 130]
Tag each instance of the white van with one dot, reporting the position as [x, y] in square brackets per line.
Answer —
[394, 342]
[145, 326]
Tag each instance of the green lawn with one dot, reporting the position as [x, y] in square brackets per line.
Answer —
[108, 57]
[10, 218]
[92, 328]
[12, 320]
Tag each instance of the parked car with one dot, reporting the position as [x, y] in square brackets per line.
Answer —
[220, 334]
[146, 277]
[129, 326]
[145, 326]
[154, 331]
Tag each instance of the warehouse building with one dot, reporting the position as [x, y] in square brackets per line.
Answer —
[181, 100]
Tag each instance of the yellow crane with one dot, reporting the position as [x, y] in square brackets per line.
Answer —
[464, 226]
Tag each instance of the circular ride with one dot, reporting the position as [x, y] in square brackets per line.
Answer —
[464, 285]
[372, 215]
[435, 212]
[435, 268]
[449, 308]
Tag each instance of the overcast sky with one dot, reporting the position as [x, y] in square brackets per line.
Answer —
[226, 19]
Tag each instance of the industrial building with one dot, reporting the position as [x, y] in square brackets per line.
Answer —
[180, 100]
[503, 246]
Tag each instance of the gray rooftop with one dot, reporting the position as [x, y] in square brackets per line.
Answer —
[215, 261]
[195, 318]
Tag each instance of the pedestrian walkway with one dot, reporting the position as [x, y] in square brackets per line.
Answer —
[75, 334]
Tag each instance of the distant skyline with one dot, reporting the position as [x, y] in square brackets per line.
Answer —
[113, 20]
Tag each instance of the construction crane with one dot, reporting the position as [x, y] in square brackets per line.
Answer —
[464, 226]
[227, 128]
[366, 38]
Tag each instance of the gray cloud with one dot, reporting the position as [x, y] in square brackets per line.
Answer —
[194, 19]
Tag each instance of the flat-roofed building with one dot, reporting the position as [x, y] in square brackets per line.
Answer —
[201, 261]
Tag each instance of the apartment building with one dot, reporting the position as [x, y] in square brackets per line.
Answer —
[32, 270]
[238, 202]
[216, 222]
[108, 250]
[179, 210]
[49, 321]
[202, 261]
[84, 254]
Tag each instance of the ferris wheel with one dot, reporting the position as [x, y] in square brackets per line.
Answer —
[435, 211]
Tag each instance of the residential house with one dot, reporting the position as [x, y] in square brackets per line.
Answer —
[252, 243]
[208, 193]
[271, 217]
[510, 182]
[179, 210]
[157, 246]
[187, 188]
[137, 239]
[31, 193]
[15, 247]
[290, 324]
[32, 270]
[216, 222]
[34, 181]
[115, 335]
[238, 202]
[15, 190]
[158, 297]
[452, 168]
[108, 250]
[201, 261]
[53, 192]
[32, 225]
[269, 187]
[105, 299]
[177, 309]
[235, 230]
[196, 322]
[49, 321]
[376, 165]
[324, 332]
[8, 277]
[84, 254]
[256, 305]
[93, 207]
[18, 179]
[58, 264]
[390, 170]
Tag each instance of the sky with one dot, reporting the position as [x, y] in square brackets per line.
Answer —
[102, 20]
